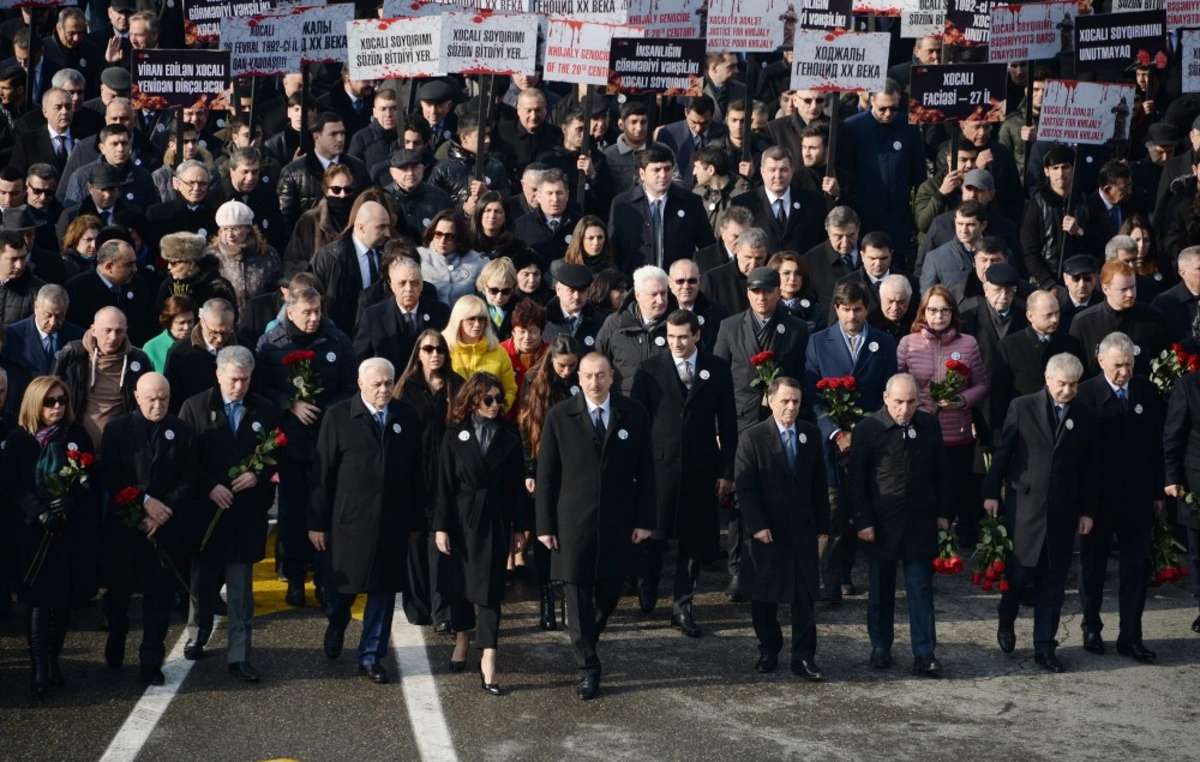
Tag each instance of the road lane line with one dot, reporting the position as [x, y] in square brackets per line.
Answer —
[149, 709]
[420, 691]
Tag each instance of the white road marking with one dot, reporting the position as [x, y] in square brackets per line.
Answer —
[420, 691]
[140, 724]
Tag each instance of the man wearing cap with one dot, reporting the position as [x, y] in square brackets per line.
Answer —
[111, 35]
[18, 284]
[1161, 142]
[995, 314]
[570, 311]
[1079, 276]
[1178, 304]
[726, 284]
[115, 82]
[48, 263]
[1121, 311]
[951, 263]
[190, 273]
[1051, 233]
[300, 182]
[437, 97]
[977, 185]
[103, 198]
[115, 282]
[194, 209]
[1022, 356]
[143, 153]
[417, 201]
[943, 191]
[1176, 167]
[389, 329]
[136, 184]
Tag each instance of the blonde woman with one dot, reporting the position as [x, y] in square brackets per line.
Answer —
[474, 347]
[497, 286]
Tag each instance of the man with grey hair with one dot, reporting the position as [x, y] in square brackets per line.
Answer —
[1129, 435]
[190, 362]
[836, 257]
[897, 308]
[194, 208]
[730, 225]
[389, 329]
[114, 283]
[30, 344]
[1178, 303]
[726, 284]
[367, 502]
[639, 328]
[1046, 463]
[521, 204]
[230, 423]
[52, 140]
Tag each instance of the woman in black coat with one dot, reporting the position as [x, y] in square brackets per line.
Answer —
[479, 487]
[428, 384]
[553, 380]
[57, 536]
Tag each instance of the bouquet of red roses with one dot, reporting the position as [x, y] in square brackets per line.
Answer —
[839, 397]
[949, 557]
[764, 364]
[131, 506]
[1166, 553]
[304, 378]
[1172, 365]
[255, 462]
[952, 383]
[992, 551]
[72, 473]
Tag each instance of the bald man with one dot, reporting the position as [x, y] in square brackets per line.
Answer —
[150, 451]
[351, 263]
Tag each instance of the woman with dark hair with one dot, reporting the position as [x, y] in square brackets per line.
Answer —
[178, 318]
[1147, 263]
[57, 537]
[479, 487]
[447, 259]
[530, 283]
[492, 230]
[324, 222]
[935, 341]
[553, 380]
[608, 291]
[79, 243]
[796, 291]
[428, 384]
[590, 246]
[526, 346]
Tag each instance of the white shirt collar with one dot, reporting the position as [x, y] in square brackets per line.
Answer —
[108, 283]
[783, 428]
[606, 406]
[371, 408]
[1116, 388]
[360, 248]
[325, 163]
[787, 198]
[65, 134]
[690, 360]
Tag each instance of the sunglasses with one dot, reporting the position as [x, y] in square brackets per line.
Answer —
[686, 281]
[493, 399]
[60, 401]
[39, 191]
[341, 190]
[810, 100]
[430, 349]
[447, 236]
[501, 291]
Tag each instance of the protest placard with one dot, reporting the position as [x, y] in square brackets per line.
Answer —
[1114, 41]
[277, 43]
[180, 79]
[890, 8]
[1032, 31]
[596, 11]
[578, 52]
[957, 93]
[747, 26]
[418, 8]
[968, 23]
[1183, 13]
[825, 14]
[670, 19]
[922, 18]
[394, 48]
[832, 61]
[1126, 6]
[202, 18]
[639, 66]
[1190, 56]
[489, 44]
[1084, 112]
[7, 5]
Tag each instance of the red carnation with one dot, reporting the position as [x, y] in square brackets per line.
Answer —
[849, 384]
[280, 438]
[1004, 586]
[86, 459]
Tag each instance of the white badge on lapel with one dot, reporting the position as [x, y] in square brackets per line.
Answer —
[266, 224]
[202, 233]
[395, 428]
[170, 435]
[897, 145]
[1070, 424]
[331, 357]
[589, 340]
[955, 355]
[803, 438]
[135, 366]
[463, 436]
[659, 341]
[1136, 350]
[779, 329]
[704, 374]
[425, 222]
[574, 390]
[257, 427]
[622, 434]
[873, 346]
[680, 213]
[1137, 409]
[130, 196]
[425, 317]
[912, 433]
[805, 303]
[129, 295]
[700, 319]
[795, 204]
[712, 207]
[72, 447]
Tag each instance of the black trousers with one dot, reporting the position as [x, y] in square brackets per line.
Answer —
[1048, 591]
[965, 486]
[765, 618]
[733, 541]
[1135, 543]
[1193, 543]
[589, 605]
[485, 623]
[156, 619]
[687, 572]
[423, 600]
[296, 550]
[838, 549]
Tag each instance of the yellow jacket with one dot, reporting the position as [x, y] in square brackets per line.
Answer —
[470, 359]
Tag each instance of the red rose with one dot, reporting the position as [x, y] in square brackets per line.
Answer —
[86, 459]
[849, 384]
[1143, 57]
[291, 358]
[1004, 586]
[280, 438]
[990, 574]
[956, 564]
[1193, 363]
[127, 495]
[939, 565]
[1160, 576]
[976, 579]
[999, 566]
[308, 354]
[1181, 571]
[987, 586]
[762, 358]
[823, 384]
[73, 454]
[835, 383]
[1160, 59]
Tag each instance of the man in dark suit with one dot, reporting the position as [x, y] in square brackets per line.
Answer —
[766, 327]
[994, 315]
[1109, 205]
[656, 222]
[695, 131]
[1129, 435]
[901, 495]
[1046, 460]
[548, 228]
[389, 329]
[1120, 311]
[689, 396]
[114, 283]
[353, 100]
[570, 311]
[229, 423]
[367, 502]
[685, 286]
[783, 497]
[521, 140]
[194, 208]
[1178, 304]
[594, 438]
[300, 185]
[1181, 455]
[790, 214]
[837, 257]
[51, 143]
[152, 452]
[350, 264]
[849, 347]
[30, 344]
[730, 225]
[190, 364]
[875, 252]
[726, 284]
[1079, 276]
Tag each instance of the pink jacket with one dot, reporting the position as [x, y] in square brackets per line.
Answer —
[924, 355]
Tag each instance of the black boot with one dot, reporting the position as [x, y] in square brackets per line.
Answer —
[38, 625]
[548, 622]
[59, 619]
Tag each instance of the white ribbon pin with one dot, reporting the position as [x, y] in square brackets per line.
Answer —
[331, 357]
[257, 427]
[623, 434]
[704, 374]
[1070, 424]
[463, 436]
[395, 428]
[912, 433]
[873, 346]
[660, 341]
[779, 329]
[955, 356]
[803, 439]
[170, 435]
[1137, 409]
[589, 340]
[135, 366]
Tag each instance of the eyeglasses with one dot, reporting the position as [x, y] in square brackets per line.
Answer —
[499, 291]
[431, 349]
[493, 399]
[60, 401]
[810, 100]
[447, 236]
[686, 281]
[341, 190]
[938, 310]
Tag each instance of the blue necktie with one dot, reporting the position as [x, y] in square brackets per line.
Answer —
[1123, 397]
[789, 446]
[1114, 216]
[379, 421]
[601, 429]
[656, 229]
[1058, 414]
[233, 411]
[49, 348]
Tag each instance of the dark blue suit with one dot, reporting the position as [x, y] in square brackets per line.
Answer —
[679, 138]
[24, 357]
[383, 333]
[685, 228]
[828, 356]
[889, 164]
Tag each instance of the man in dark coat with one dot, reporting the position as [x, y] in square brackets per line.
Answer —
[1079, 276]
[570, 311]
[191, 363]
[595, 502]
[300, 182]
[791, 215]
[901, 493]
[689, 396]
[1120, 311]
[194, 208]
[19, 286]
[390, 328]
[151, 452]
[1129, 435]
[1046, 460]
[1178, 304]
[548, 229]
[637, 330]
[781, 492]
[350, 264]
[837, 257]
[367, 499]
[685, 286]
[30, 344]
[230, 424]
[726, 283]
[1181, 454]
[114, 283]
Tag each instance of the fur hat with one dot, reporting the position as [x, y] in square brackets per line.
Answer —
[182, 247]
[234, 213]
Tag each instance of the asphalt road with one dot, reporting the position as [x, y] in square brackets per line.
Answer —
[664, 696]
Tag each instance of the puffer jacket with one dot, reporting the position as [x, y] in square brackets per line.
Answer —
[453, 276]
[252, 271]
[454, 174]
[626, 340]
[468, 359]
[925, 355]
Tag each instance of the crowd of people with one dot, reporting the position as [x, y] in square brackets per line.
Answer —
[449, 341]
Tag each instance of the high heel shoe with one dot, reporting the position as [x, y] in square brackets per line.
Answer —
[458, 666]
[492, 688]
